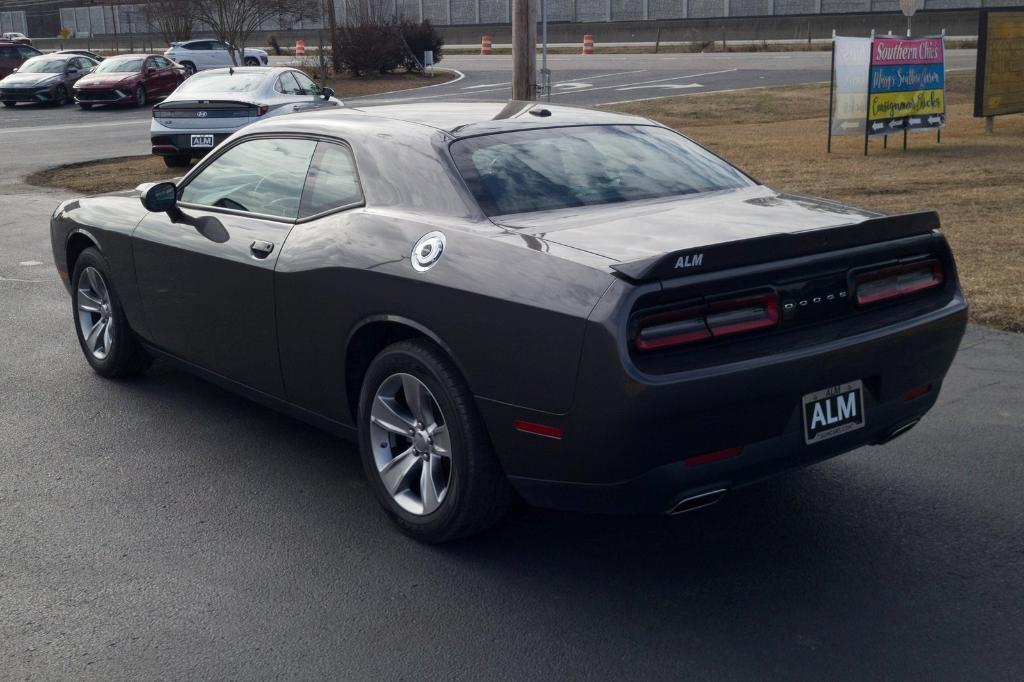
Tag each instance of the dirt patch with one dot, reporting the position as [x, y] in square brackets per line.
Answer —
[974, 179]
[97, 177]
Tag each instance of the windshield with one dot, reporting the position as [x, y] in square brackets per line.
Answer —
[37, 65]
[200, 83]
[539, 170]
[120, 66]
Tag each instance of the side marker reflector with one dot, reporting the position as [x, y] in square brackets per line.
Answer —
[917, 392]
[709, 457]
[539, 429]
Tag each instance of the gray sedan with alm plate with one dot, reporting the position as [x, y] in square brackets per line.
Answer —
[211, 105]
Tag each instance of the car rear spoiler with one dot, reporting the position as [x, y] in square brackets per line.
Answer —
[775, 247]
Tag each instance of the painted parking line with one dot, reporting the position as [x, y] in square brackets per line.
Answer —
[21, 130]
[643, 83]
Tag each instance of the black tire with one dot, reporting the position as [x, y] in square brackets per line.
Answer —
[85, 105]
[125, 355]
[10, 104]
[60, 96]
[177, 161]
[140, 96]
[478, 493]
[190, 68]
[251, 61]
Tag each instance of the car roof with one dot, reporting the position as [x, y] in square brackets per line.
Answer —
[463, 119]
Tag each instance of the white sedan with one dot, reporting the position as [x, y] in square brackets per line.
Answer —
[205, 53]
[211, 105]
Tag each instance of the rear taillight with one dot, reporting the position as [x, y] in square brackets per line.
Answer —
[896, 281]
[698, 323]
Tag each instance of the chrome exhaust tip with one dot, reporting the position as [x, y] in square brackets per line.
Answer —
[697, 502]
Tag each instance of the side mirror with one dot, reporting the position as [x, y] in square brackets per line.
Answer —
[150, 70]
[328, 93]
[160, 197]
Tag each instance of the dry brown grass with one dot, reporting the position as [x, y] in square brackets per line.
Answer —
[975, 180]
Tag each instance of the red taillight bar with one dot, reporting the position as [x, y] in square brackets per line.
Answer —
[897, 281]
[539, 429]
[721, 318]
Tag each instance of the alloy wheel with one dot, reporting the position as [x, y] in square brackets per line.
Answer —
[411, 444]
[140, 96]
[95, 318]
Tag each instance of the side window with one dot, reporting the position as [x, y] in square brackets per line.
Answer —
[286, 84]
[200, 45]
[76, 63]
[217, 45]
[161, 63]
[150, 63]
[333, 181]
[306, 84]
[259, 176]
[28, 52]
[8, 53]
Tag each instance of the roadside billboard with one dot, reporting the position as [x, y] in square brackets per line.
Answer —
[999, 84]
[906, 85]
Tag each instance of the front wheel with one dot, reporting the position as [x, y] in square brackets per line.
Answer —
[252, 61]
[108, 343]
[190, 68]
[425, 449]
[140, 96]
[60, 98]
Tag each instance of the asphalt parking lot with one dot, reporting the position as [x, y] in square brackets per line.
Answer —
[162, 527]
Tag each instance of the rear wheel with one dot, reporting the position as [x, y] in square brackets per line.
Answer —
[177, 161]
[140, 96]
[425, 449]
[252, 61]
[108, 343]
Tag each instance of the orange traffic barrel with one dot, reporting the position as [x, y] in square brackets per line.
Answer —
[300, 48]
[485, 45]
[588, 44]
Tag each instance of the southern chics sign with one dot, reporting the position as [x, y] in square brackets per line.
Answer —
[886, 85]
[906, 85]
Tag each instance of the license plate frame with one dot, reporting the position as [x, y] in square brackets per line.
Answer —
[201, 141]
[833, 411]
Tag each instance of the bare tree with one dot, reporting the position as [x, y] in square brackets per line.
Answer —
[234, 21]
[172, 19]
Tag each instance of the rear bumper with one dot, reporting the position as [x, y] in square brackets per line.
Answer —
[628, 436]
[179, 144]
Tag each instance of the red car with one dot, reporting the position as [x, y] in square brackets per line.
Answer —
[13, 56]
[129, 78]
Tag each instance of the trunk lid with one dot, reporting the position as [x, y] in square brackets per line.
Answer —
[206, 114]
[665, 238]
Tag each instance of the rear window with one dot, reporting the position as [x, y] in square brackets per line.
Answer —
[202, 84]
[540, 170]
[8, 52]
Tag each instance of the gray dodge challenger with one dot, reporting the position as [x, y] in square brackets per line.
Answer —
[584, 309]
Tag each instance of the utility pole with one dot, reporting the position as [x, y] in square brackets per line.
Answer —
[524, 49]
[332, 24]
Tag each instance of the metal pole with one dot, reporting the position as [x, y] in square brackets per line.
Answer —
[831, 90]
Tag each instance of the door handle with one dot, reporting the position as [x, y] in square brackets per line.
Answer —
[260, 248]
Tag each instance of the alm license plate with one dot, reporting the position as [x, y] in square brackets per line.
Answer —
[833, 412]
[202, 140]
